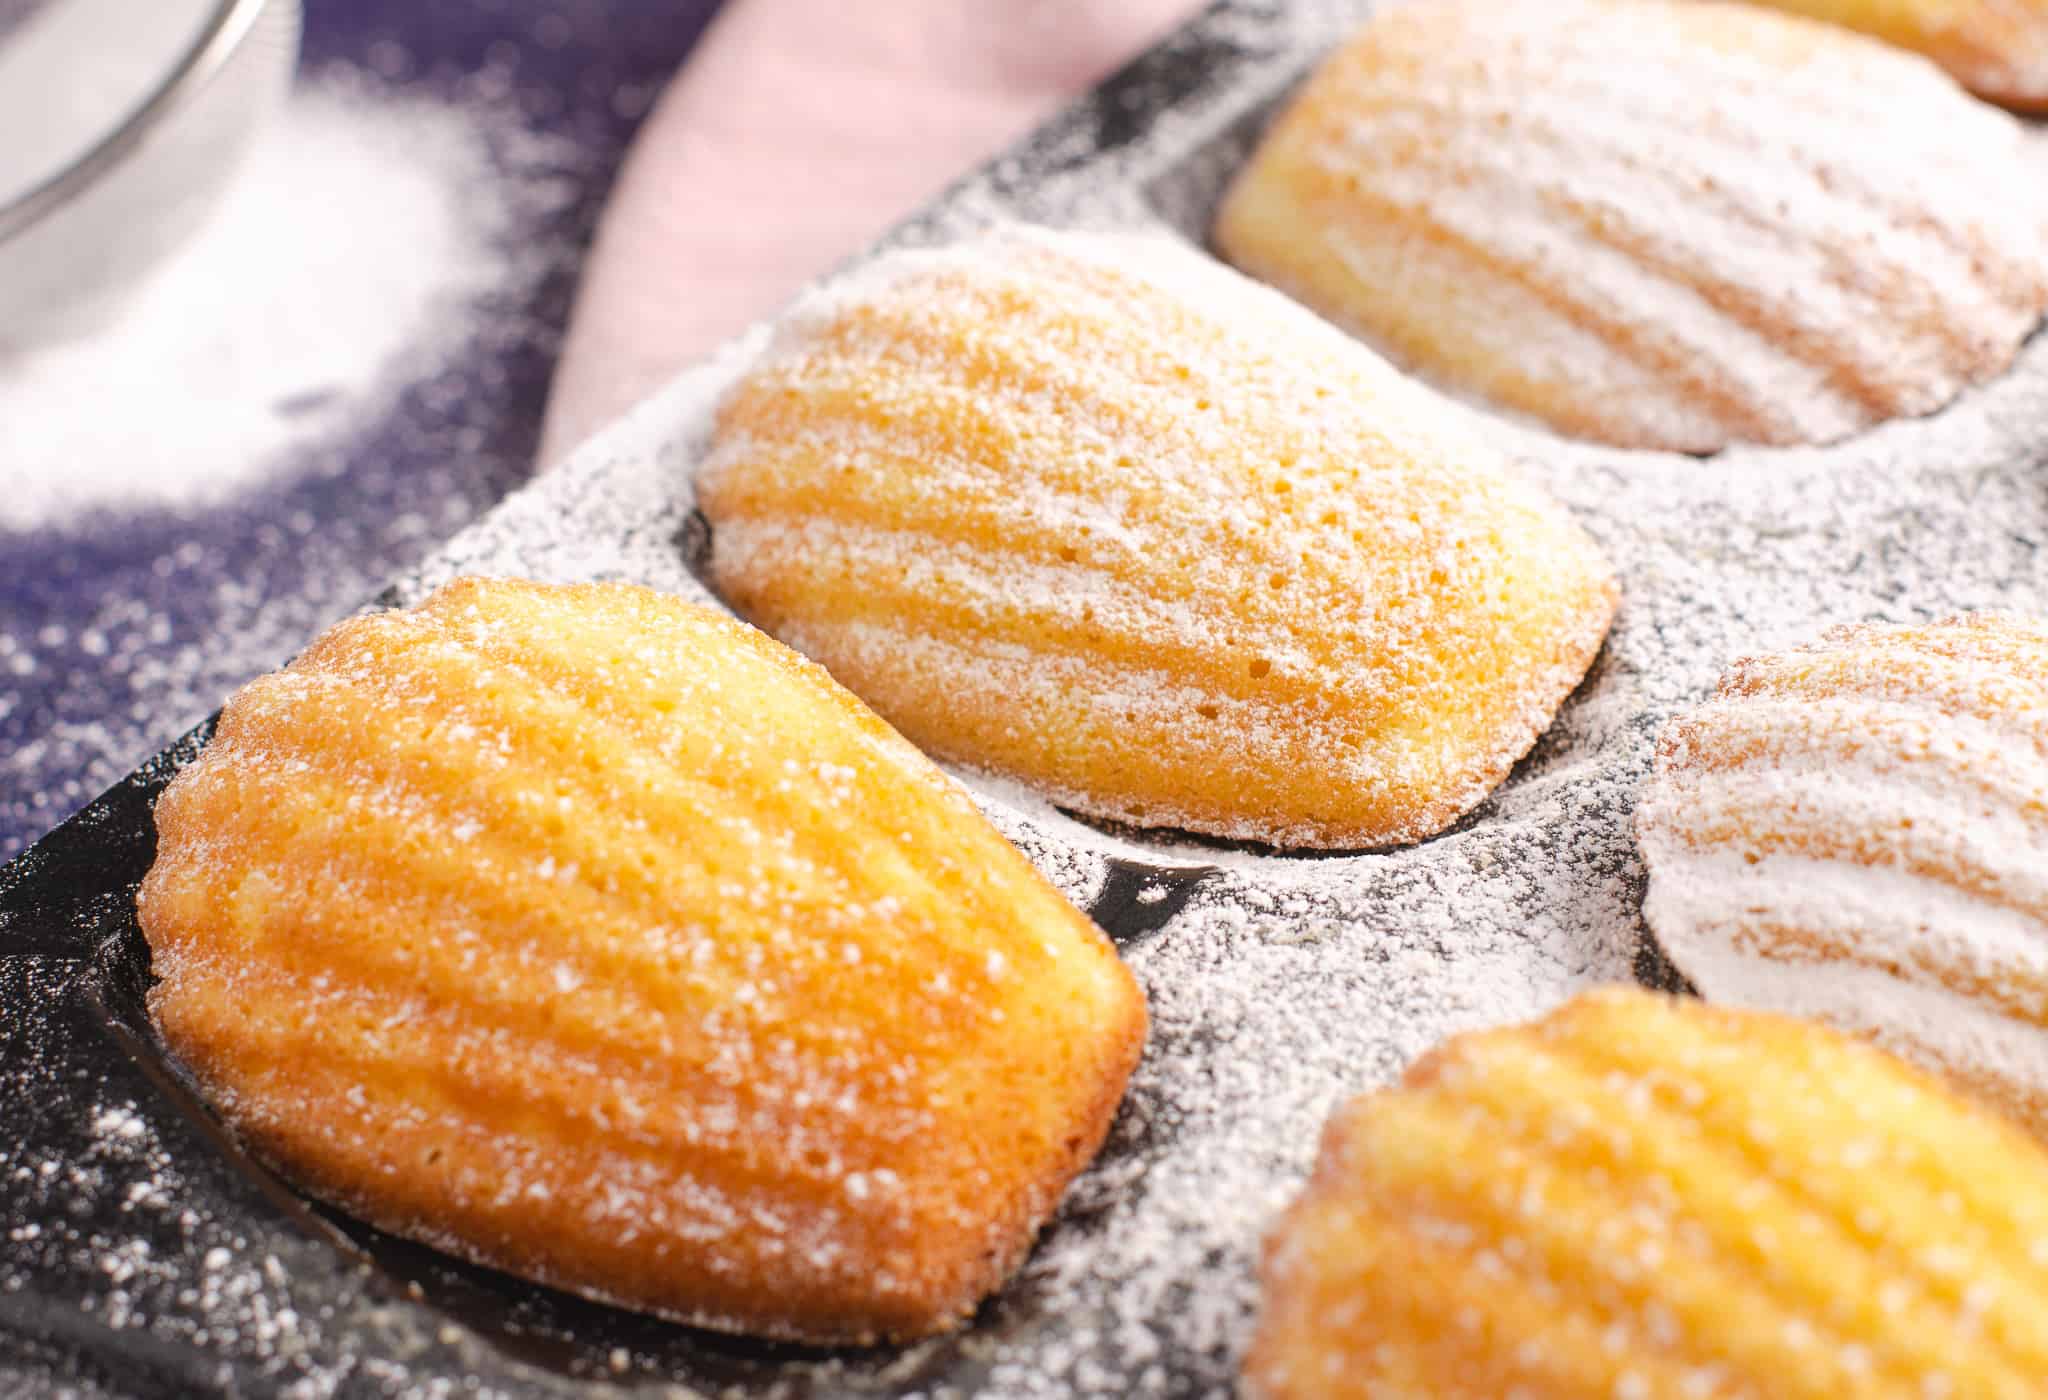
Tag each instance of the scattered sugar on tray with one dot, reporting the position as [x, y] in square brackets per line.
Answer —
[143, 679]
[1286, 985]
[348, 260]
[1533, 897]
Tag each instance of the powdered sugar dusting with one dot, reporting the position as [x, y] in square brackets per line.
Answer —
[1853, 830]
[376, 344]
[358, 244]
[1995, 48]
[1283, 986]
[1646, 1197]
[1280, 986]
[1096, 511]
[143, 1246]
[1509, 199]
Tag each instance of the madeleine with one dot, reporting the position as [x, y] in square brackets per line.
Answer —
[1099, 514]
[592, 935]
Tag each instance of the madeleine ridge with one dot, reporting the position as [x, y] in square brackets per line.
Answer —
[1648, 1198]
[1098, 514]
[592, 935]
[1670, 224]
[1858, 830]
[1997, 49]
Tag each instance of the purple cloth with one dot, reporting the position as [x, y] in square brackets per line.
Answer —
[118, 634]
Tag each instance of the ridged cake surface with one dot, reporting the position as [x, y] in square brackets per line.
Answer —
[1652, 223]
[1996, 48]
[1859, 830]
[593, 935]
[1100, 514]
[1642, 1198]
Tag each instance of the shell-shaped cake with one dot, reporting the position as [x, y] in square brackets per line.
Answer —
[1997, 49]
[1651, 1198]
[1099, 514]
[590, 934]
[1858, 830]
[1652, 223]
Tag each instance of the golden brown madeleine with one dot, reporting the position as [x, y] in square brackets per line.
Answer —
[1858, 830]
[1654, 1199]
[1098, 513]
[595, 936]
[1653, 223]
[1996, 48]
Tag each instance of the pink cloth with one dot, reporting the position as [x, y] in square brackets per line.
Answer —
[798, 131]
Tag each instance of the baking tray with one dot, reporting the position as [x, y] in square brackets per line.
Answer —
[146, 1255]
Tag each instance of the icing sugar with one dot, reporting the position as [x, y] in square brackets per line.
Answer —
[1993, 47]
[1510, 200]
[1098, 511]
[377, 308]
[362, 242]
[1854, 830]
[1283, 985]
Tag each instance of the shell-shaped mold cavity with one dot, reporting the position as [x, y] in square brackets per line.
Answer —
[595, 936]
[1641, 1196]
[1858, 830]
[1099, 514]
[1650, 223]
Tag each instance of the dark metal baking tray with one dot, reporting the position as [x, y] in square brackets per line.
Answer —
[145, 1255]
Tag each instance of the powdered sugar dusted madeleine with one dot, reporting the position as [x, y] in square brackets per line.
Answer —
[1652, 1198]
[1859, 830]
[1996, 48]
[1653, 223]
[1100, 514]
[593, 935]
